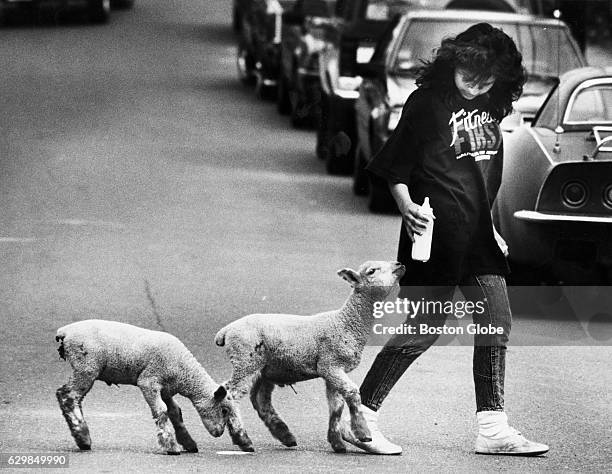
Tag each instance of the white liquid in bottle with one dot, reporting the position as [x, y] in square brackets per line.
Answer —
[421, 248]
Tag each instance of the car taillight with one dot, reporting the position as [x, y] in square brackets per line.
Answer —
[574, 194]
[607, 196]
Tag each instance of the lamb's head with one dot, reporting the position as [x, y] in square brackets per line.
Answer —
[214, 411]
[377, 279]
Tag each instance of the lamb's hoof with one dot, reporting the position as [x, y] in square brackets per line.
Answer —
[84, 447]
[191, 449]
[248, 449]
[289, 440]
[339, 448]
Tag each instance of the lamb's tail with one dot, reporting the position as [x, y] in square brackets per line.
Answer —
[61, 335]
[220, 337]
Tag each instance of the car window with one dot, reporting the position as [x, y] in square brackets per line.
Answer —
[423, 36]
[547, 51]
[592, 104]
[384, 10]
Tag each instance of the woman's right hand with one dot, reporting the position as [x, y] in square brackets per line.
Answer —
[415, 221]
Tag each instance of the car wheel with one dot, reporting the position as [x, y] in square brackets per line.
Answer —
[245, 65]
[98, 11]
[264, 91]
[322, 146]
[339, 158]
[380, 199]
[300, 117]
[236, 20]
[283, 103]
[361, 180]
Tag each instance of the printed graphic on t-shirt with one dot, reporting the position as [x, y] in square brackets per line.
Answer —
[475, 134]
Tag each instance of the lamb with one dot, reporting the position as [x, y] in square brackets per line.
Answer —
[159, 364]
[281, 349]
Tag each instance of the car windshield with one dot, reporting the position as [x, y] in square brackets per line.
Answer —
[384, 10]
[591, 105]
[547, 51]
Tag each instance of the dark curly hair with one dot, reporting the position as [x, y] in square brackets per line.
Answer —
[484, 51]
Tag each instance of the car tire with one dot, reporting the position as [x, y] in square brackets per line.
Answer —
[283, 102]
[322, 144]
[300, 118]
[236, 20]
[98, 11]
[263, 91]
[245, 65]
[380, 200]
[361, 180]
[339, 159]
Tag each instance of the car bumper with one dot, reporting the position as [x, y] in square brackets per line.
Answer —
[534, 216]
[548, 238]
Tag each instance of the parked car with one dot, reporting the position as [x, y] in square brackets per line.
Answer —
[554, 207]
[97, 11]
[258, 54]
[356, 28]
[548, 50]
[305, 27]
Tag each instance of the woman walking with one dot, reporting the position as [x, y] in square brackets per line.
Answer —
[448, 147]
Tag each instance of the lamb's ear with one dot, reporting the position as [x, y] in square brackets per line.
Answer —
[220, 393]
[350, 275]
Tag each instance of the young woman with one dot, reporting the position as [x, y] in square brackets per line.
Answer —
[448, 147]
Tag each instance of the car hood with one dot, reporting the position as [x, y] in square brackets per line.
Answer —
[399, 88]
[572, 145]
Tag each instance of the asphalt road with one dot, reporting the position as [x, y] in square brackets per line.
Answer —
[140, 182]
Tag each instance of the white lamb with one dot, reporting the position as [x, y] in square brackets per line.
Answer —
[282, 349]
[159, 364]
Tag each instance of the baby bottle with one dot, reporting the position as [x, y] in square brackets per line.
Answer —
[421, 248]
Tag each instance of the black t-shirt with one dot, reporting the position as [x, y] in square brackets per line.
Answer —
[453, 154]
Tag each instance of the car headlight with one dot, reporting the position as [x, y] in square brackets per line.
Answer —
[574, 194]
[607, 196]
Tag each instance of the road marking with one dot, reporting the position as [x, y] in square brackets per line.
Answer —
[17, 240]
[234, 453]
[84, 222]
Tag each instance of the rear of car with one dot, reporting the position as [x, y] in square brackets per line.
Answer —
[555, 204]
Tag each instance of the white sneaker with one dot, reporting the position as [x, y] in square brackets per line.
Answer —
[514, 444]
[379, 444]
[495, 436]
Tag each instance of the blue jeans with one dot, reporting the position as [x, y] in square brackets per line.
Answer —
[489, 350]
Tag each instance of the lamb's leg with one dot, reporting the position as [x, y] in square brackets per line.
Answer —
[261, 398]
[337, 379]
[70, 397]
[237, 432]
[336, 405]
[176, 417]
[246, 363]
[151, 391]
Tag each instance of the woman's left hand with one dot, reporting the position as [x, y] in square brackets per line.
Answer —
[503, 246]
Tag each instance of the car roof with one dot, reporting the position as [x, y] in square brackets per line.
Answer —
[480, 16]
[572, 78]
